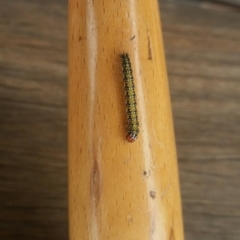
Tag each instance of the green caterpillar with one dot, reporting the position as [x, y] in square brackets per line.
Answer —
[130, 99]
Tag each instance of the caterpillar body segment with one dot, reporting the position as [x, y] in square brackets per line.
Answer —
[130, 99]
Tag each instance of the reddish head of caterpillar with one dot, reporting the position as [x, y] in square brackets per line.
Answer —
[131, 137]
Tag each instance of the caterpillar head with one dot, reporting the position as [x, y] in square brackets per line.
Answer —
[131, 137]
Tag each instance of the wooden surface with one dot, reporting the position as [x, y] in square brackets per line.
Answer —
[120, 190]
[202, 44]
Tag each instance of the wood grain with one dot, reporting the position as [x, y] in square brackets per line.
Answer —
[120, 190]
[202, 52]
[33, 127]
[203, 56]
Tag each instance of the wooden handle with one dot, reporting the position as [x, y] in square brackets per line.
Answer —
[120, 190]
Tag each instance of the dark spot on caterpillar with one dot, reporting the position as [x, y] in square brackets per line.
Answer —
[130, 99]
[80, 38]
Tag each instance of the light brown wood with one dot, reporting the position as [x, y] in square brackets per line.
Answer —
[202, 51]
[120, 190]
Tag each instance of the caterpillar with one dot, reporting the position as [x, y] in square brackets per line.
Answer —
[131, 104]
